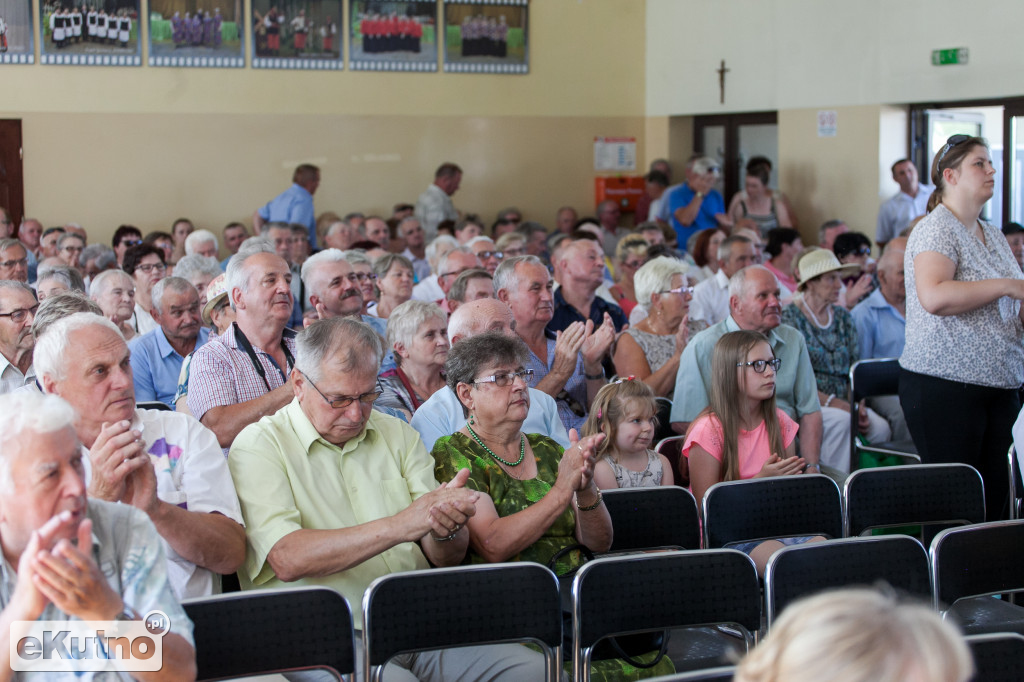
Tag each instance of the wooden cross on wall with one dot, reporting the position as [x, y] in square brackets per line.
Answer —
[721, 81]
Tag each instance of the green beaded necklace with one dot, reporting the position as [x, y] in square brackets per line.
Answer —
[522, 448]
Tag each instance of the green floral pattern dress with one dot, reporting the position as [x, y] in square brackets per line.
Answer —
[457, 451]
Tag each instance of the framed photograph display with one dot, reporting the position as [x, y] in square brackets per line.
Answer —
[393, 36]
[486, 36]
[16, 34]
[196, 33]
[297, 34]
[89, 33]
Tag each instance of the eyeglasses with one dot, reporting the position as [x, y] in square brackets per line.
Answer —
[635, 265]
[484, 255]
[362, 276]
[760, 365]
[130, 242]
[345, 400]
[679, 290]
[503, 380]
[14, 263]
[18, 316]
[150, 267]
[512, 253]
[953, 141]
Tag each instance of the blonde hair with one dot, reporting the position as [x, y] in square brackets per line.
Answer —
[612, 405]
[858, 635]
[726, 395]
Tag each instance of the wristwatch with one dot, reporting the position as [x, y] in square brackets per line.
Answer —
[699, 195]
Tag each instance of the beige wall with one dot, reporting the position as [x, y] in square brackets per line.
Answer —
[144, 145]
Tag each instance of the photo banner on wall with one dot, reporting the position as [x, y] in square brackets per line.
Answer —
[196, 33]
[486, 36]
[103, 34]
[16, 32]
[297, 34]
[393, 36]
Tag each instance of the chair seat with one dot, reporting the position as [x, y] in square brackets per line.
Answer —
[985, 615]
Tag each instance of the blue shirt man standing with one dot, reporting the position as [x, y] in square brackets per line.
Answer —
[295, 204]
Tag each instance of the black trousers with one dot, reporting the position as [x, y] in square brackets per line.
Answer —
[952, 421]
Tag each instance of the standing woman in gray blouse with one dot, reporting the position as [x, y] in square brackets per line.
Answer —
[964, 359]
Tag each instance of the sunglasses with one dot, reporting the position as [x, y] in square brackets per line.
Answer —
[953, 141]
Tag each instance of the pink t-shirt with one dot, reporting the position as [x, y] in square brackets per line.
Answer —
[754, 449]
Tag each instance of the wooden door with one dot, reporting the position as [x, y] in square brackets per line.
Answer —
[12, 187]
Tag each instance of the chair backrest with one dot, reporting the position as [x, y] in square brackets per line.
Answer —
[913, 495]
[997, 657]
[270, 631]
[722, 674]
[672, 448]
[648, 518]
[875, 376]
[982, 559]
[153, 405]
[441, 607]
[1015, 484]
[801, 570]
[621, 595]
[765, 508]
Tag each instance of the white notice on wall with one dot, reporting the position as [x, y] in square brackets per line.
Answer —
[615, 153]
[826, 124]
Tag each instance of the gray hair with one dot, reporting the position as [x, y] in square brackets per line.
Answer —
[437, 248]
[274, 225]
[316, 260]
[33, 412]
[69, 235]
[101, 281]
[405, 321]
[237, 274]
[469, 356]
[104, 255]
[461, 283]
[52, 347]
[725, 248]
[706, 164]
[9, 242]
[19, 286]
[66, 275]
[350, 343]
[442, 262]
[738, 282]
[383, 264]
[357, 257]
[477, 239]
[506, 277]
[194, 265]
[197, 237]
[59, 306]
[509, 238]
[407, 219]
[338, 226]
[178, 285]
[655, 276]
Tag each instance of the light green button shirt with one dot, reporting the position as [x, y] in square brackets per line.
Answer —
[288, 478]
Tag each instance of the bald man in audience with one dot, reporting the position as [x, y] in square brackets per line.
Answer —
[443, 415]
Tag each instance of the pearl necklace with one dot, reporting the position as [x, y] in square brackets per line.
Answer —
[522, 448]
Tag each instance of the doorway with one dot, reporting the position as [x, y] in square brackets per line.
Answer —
[732, 139]
[12, 182]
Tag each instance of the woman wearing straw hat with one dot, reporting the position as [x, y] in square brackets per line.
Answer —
[831, 336]
[963, 361]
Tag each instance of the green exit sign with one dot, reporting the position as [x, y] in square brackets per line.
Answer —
[956, 55]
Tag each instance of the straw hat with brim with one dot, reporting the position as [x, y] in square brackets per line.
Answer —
[821, 262]
[216, 291]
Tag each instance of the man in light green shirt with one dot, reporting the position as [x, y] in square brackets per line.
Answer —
[334, 493]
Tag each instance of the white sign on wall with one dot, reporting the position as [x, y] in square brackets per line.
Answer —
[827, 123]
[615, 153]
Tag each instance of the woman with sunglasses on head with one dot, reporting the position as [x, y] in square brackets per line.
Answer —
[650, 350]
[741, 434]
[964, 358]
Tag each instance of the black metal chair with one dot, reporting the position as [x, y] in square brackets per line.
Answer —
[1016, 494]
[672, 448]
[997, 657]
[868, 379]
[768, 508]
[971, 563]
[649, 592]
[272, 631]
[722, 674]
[664, 414]
[153, 405]
[913, 495]
[801, 570]
[653, 518]
[440, 608]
